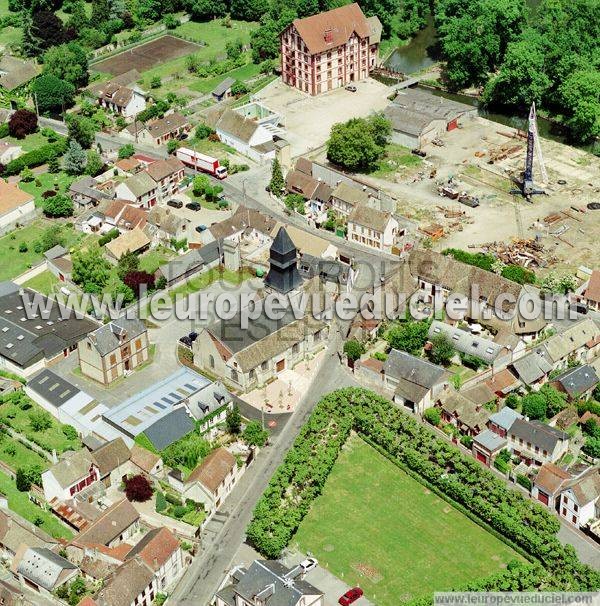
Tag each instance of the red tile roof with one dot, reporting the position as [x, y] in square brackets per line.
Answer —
[156, 547]
[592, 292]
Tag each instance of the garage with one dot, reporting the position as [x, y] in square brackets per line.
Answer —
[543, 497]
[481, 457]
[280, 365]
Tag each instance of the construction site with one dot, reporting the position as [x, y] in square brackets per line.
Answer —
[529, 200]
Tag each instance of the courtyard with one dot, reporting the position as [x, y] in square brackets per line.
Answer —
[376, 527]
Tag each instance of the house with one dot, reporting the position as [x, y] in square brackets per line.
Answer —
[580, 499]
[268, 582]
[500, 422]
[161, 411]
[58, 262]
[168, 175]
[536, 443]
[165, 226]
[15, 72]
[85, 193]
[548, 484]
[247, 224]
[15, 531]
[532, 369]
[146, 461]
[246, 135]
[124, 216]
[161, 551]
[502, 383]
[470, 419]
[486, 445]
[210, 404]
[112, 460]
[140, 189]
[465, 342]
[223, 90]
[418, 117]
[373, 228]
[212, 480]
[29, 342]
[117, 525]
[344, 198]
[591, 295]
[16, 206]
[132, 584]
[135, 241]
[249, 358]
[9, 152]
[415, 382]
[11, 595]
[337, 47]
[114, 349]
[41, 569]
[577, 382]
[127, 101]
[159, 132]
[185, 266]
[76, 471]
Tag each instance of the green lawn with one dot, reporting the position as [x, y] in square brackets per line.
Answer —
[154, 258]
[376, 527]
[16, 455]
[246, 72]
[44, 182]
[18, 419]
[30, 142]
[396, 157]
[19, 503]
[15, 262]
[44, 282]
[205, 279]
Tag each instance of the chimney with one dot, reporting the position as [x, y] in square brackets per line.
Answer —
[328, 35]
[155, 562]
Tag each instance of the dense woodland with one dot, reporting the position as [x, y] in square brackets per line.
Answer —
[515, 52]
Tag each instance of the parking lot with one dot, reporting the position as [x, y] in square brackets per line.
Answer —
[308, 120]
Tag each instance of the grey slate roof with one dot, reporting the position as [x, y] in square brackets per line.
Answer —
[72, 468]
[43, 567]
[222, 88]
[532, 367]
[578, 380]
[464, 342]
[106, 338]
[140, 184]
[55, 252]
[52, 388]
[505, 418]
[268, 578]
[169, 428]
[86, 186]
[401, 365]
[209, 398]
[538, 434]
[490, 440]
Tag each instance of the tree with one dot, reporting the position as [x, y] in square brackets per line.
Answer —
[52, 93]
[512, 400]
[234, 48]
[59, 205]
[94, 164]
[203, 131]
[126, 151]
[433, 416]
[67, 62]
[138, 489]
[441, 351]
[42, 29]
[200, 184]
[22, 480]
[580, 94]
[205, 10]
[591, 447]
[248, 10]
[408, 336]
[353, 349]
[555, 400]
[100, 12]
[22, 123]
[254, 434]
[136, 279]
[213, 192]
[233, 420]
[120, 293]
[128, 263]
[40, 420]
[276, 184]
[70, 432]
[172, 146]
[90, 270]
[533, 405]
[75, 159]
[239, 88]
[54, 165]
[155, 82]
[81, 129]
[161, 503]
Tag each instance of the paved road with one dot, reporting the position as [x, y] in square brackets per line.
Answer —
[207, 571]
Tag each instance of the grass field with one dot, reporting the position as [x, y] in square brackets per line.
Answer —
[19, 503]
[376, 527]
[154, 258]
[205, 279]
[44, 282]
[16, 455]
[44, 182]
[396, 158]
[246, 72]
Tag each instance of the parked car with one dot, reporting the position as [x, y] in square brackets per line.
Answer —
[418, 152]
[351, 88]
[193, 205]
[175, 203]
[594, 205]
[186, 341]
[193, 335]
[308, 564]
[351, 596]
[182, 136]
[200, 228]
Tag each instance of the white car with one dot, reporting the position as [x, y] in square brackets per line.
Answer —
[308, 564]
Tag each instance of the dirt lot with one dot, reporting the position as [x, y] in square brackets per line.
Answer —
[308, 120]
[465, 157]
[146, 56]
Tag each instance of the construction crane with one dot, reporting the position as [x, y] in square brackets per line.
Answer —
[526, 186]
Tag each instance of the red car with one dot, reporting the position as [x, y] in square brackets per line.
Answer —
[351, 596]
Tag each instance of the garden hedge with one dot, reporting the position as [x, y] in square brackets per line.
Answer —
[306, 467]
[36, 157]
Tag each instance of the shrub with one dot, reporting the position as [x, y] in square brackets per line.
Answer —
[59, 205]
[37, 157]
[22, 123]
[40, 420]
[524, 481]
[23, 247]
[108, 236]
[173, 499]
[70, 432]
[179, 511]
[138, 488]
[433, 416]
[353, 349]
[161, 502]
[126, 151]
[203, 131]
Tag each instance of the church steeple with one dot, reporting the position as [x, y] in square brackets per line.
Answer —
[283, 273]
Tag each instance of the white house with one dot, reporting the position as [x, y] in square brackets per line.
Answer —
[246, 135]
[123, 100]
[70, 476]
[141, 189]
[373, 228]
[580, 500]
[16, 206]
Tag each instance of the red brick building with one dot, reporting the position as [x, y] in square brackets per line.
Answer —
[329, 50]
